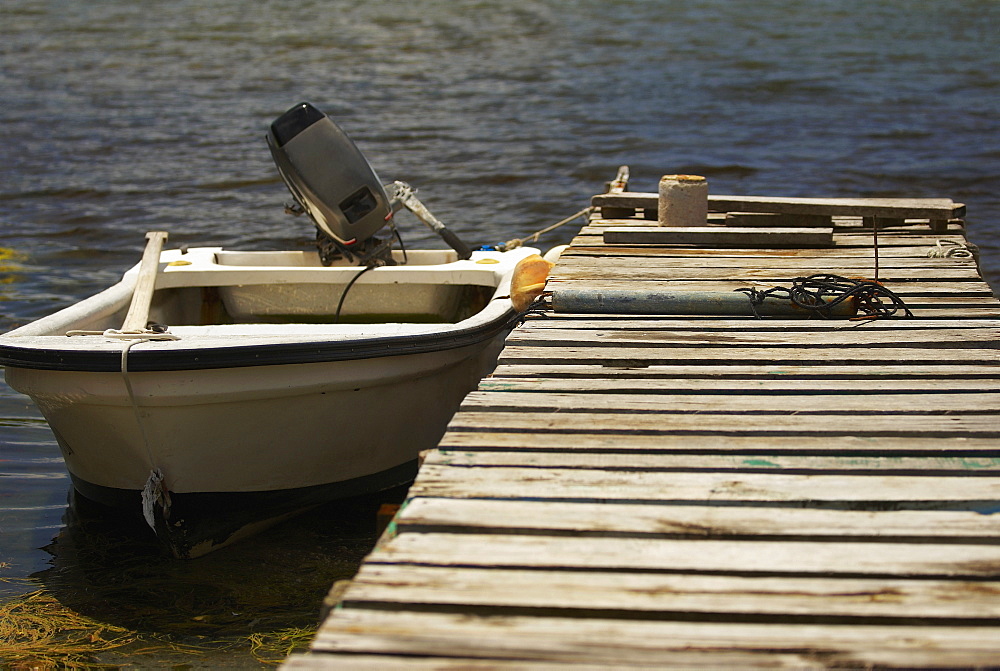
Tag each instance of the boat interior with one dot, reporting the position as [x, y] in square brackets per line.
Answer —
[206, 287]
[212, 290]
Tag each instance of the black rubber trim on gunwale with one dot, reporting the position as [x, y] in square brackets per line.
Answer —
[252, 355]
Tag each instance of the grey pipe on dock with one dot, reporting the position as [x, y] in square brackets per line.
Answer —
[653, 301]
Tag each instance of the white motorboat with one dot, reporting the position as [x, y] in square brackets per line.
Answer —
[218, 391]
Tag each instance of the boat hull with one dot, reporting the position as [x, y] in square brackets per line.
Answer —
[240, 447]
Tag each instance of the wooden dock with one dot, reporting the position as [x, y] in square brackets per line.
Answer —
[661, 491]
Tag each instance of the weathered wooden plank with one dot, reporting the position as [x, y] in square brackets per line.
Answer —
[142, 295]
[739, 269]
[967, 302]
[708, 324]
[849, 335]
[442, 660]
[624, 385]
[890, 237]
[782, 276]
[969, 426]
[860, 406]
[671, 486]
[613, 423]
[713, 236]
[723, 371]
[902, 289]
[797, 265]
[906, 208]
[794, 264]
[593, 247]
[951, 311]
[771, 219]
[558, 517]
[858, 236]
[695, 556]
[605, 594]
[618, 643]
[592, 238]
[762, 462]
[859, 226]
[793, 258]
[924, 308]
[522, 438]
[762, 356]
[552, 320]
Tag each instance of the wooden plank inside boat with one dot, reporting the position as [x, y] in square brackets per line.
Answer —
[678, 491]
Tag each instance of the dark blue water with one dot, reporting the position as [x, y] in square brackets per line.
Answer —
[120, 117]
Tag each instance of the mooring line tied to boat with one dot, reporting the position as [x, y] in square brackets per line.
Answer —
[533, 238]
[155, 491]
[824, 293]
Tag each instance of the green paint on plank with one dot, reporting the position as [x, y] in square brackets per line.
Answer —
[979, 463]
[760, 462]
[496, 385]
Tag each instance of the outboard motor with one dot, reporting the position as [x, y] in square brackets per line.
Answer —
[333, 183]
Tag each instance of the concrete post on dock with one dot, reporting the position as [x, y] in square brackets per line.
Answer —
[683, 200]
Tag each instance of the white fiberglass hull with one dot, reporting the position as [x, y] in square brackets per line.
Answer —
[273, 439]
[254, 429]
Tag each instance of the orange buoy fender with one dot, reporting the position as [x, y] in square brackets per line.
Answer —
[528, 280]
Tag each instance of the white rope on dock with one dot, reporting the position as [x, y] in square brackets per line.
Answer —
[955, 250]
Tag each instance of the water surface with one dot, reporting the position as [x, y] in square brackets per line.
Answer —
[121, 117]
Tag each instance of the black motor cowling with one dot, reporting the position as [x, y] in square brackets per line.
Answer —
[328, 176]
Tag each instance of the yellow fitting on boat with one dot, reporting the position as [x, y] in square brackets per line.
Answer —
[528, 281]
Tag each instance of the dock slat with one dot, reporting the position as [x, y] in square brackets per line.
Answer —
[602, 384]
[505, 640]
[763, 426]
[742, 557]
[671, 486]
[607, 594]
[719, 236]
[930, 288]
[769, 356]
[691, 273]
[846, 336]
[745, 462]
[525, 439]
[859, 406]
[906, 208]
[706, 521]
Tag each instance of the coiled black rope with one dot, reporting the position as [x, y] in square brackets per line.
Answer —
[822, 292]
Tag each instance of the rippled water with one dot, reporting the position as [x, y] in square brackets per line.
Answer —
[121, 117]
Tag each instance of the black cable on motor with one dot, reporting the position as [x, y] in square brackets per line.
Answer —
[820, 293]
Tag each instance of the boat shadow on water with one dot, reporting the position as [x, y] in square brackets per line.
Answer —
[244, 605]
